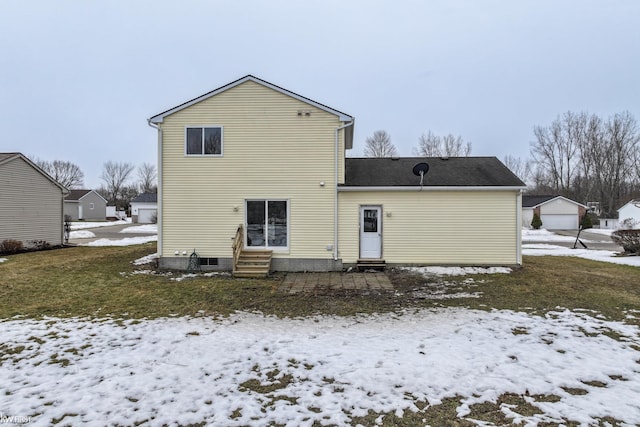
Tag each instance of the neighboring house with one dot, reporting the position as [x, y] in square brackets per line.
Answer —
[631, 209]
[85, 205]
[144, 208]
[266, 166]
[31, 202]
[556, 212]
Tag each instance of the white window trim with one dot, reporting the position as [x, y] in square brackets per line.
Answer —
[92, 206]
[204, 126]
[266, 200]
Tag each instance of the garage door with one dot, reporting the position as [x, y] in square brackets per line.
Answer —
[146, 216]
[559, 222]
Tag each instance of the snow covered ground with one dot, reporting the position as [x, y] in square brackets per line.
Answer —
[145, 228]
[127, 241]
[81, 234]
[543, 235]
[324, 369]
[79, 225]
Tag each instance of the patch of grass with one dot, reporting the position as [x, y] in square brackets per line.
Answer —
[99, 282]
[545, 283]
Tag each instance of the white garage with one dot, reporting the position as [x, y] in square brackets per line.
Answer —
[559, 222]
[147, 216]
[556, 212]
[144, 208]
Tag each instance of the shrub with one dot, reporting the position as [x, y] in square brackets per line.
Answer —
[586, 222]
[11, 246]
[39, 245]
[628, 239]
[536, 222]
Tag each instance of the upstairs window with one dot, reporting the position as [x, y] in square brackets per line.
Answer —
[203, 141]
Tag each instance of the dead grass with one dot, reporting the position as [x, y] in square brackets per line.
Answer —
[100, 282]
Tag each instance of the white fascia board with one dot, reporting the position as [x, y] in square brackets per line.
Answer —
[160, 117]
[563, 198]
[432, 188]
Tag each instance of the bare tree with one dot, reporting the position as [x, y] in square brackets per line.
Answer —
[147, 176]
[521, 168]
[66, 173]
[556, 150]
[431, 145]
[380, 145]
[115, 176]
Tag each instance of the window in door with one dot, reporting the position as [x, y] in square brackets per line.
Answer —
[267, 223]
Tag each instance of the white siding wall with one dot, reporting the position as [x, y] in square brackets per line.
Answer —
[269, 153]
[30, 204]
[559, 207]
[437, 227]
[629, 211]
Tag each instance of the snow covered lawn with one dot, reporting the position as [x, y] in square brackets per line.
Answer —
[255, 370]
[145, 228]
[79, 225]
[127, 241]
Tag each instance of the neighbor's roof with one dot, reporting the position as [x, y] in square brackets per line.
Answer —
[443, 172]
[535, 201]
[7, 157]
[76, 195]
[145, 198]
[634, 202]
[159, 118]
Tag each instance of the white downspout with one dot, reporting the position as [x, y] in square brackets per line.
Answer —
[335, 205]
[519, 228]
[159, 216]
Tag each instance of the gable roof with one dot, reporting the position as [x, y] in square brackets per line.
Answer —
[159, 118]
[145, 198]
[634, 202]
[443, 172]
[535, 201]
[7, 157]
[77, 195]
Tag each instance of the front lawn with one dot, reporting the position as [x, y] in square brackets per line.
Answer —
[104, 282]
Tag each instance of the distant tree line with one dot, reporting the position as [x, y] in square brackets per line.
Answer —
[588, 158]
[429, 145]
[119, 185]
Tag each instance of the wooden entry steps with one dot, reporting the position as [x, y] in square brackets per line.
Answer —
[253, 263]
[371, 264]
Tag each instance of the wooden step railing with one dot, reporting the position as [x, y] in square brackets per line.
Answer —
[249, 262]
[238, 243]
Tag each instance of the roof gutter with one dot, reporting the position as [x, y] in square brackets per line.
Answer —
[431, 188]
[159, 199]
[335, 204]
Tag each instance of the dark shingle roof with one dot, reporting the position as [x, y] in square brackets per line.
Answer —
[531, 201]
[76, 194]
[145, 198]
[452, 171]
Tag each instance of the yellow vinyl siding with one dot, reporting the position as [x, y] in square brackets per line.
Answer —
[269, 152]
[435, 227]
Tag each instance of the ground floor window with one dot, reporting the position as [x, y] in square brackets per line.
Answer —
[267, 223]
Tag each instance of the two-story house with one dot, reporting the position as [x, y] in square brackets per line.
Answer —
[251, 169]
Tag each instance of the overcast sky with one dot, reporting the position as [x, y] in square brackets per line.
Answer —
[78, 79]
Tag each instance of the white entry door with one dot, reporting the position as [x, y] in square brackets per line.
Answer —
[370, 232]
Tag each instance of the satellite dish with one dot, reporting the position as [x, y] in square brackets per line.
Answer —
[421, 169]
